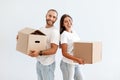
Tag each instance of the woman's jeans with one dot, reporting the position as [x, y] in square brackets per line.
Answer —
[70, 72]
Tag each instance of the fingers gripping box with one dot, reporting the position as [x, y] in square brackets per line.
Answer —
[90, 52]
[30, 39]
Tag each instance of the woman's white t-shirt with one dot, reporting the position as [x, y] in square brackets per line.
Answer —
[69, 38]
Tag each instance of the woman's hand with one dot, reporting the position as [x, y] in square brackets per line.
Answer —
[80, 61]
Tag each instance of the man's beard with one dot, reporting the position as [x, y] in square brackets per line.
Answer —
[49, 22]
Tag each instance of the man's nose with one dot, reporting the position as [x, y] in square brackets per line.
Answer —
[51, 18]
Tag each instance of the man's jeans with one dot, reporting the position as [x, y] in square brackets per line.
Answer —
[45, 72]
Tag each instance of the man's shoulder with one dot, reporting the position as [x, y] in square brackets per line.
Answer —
[54, 29]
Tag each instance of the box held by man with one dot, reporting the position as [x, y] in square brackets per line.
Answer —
[30, 39]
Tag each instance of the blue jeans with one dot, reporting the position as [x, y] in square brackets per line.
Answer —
[70, 72]
[45, 72]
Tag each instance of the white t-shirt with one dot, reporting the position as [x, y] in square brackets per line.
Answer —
[52, 37]
[69, 39]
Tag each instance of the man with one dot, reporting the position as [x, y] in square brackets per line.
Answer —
[46, 58]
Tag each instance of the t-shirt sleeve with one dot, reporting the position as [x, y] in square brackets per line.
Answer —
[63, 38]
[55, 37]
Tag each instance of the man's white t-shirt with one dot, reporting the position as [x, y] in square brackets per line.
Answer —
[52, 37]
[69, 39]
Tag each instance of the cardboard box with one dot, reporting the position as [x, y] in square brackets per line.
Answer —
[90, 52]
[30, 39]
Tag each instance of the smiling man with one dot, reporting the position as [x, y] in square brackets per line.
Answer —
[46, 58]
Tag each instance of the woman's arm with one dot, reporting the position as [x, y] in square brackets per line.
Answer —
[67, 55]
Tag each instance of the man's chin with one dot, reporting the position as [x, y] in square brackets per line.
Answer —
[50, 24]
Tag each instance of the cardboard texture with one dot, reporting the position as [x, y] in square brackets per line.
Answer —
[90, 52]
[30, 39]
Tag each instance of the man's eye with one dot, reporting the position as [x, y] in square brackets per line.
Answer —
[49, 15]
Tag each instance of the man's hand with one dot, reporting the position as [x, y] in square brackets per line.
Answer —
[33, 53]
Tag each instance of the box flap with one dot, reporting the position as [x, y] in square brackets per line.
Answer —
[26, 30]
[37, 32]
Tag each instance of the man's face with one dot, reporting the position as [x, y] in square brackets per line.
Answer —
[51, 17]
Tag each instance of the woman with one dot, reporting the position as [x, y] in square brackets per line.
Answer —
[69, 64]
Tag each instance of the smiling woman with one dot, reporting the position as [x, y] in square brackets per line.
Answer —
[69, 64]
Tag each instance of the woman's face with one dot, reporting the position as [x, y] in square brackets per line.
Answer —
[67, 23]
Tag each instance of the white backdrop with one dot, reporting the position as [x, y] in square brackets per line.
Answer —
[94, 20]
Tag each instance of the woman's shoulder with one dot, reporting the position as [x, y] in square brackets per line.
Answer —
[64, 33]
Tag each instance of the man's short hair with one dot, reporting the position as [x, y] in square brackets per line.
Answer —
[53, 10]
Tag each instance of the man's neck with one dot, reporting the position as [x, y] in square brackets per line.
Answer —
[48, 26]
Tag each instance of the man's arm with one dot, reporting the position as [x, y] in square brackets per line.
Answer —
[49, 51]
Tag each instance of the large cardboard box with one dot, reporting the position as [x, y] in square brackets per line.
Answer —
[90, 52]
[30, 39]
